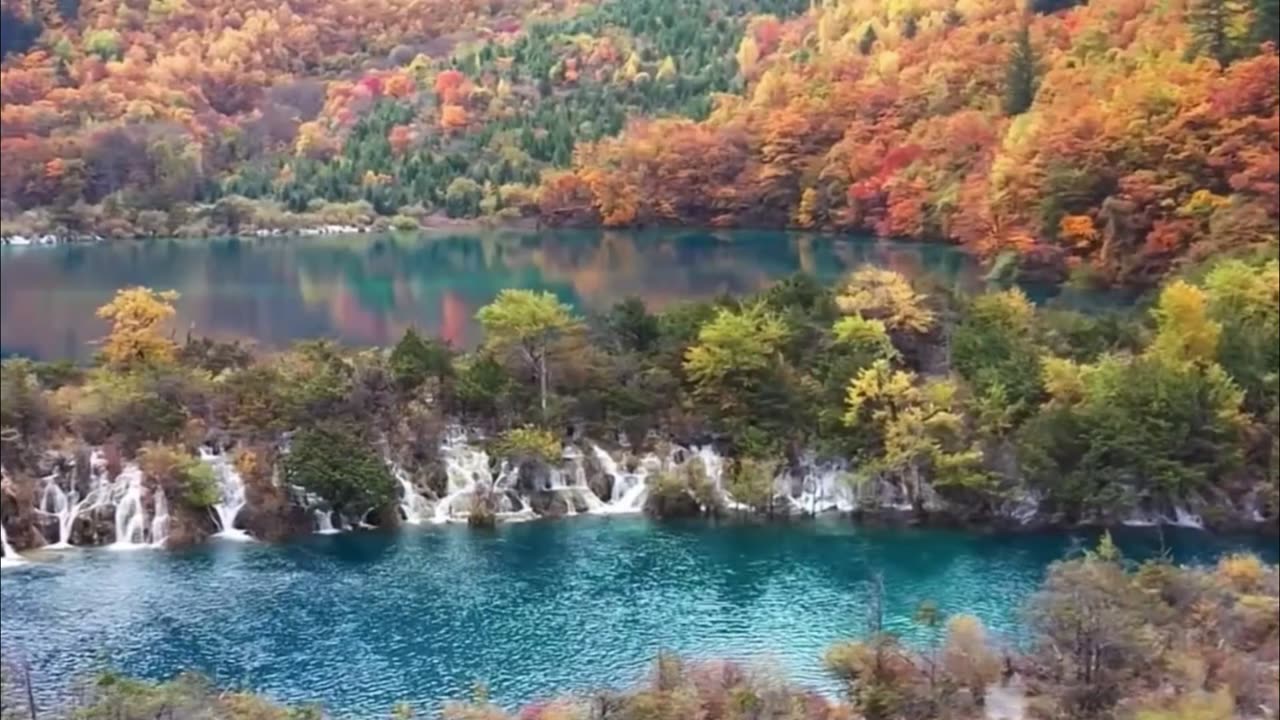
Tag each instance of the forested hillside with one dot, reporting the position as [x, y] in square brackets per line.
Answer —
[1116, 138]
[1125, 133]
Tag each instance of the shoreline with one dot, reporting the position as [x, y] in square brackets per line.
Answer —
[886, 520]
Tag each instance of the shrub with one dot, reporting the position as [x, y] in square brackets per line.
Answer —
[683, 492]
[132, 407]
[1243, 572]
[340, 469]
[967, 657]
[182, 476]
[529, 443]
[414, 360]
[751, 483]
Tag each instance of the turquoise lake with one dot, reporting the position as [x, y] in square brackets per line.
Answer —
[367, 289]
[361, 621]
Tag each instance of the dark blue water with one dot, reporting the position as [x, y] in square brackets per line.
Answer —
[367, 289]
[359, 622]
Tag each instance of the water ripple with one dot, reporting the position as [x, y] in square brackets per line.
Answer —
[359, 622]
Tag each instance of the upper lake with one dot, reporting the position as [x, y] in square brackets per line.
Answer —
[367, 289]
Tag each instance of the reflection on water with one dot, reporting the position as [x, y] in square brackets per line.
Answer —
[366, 290]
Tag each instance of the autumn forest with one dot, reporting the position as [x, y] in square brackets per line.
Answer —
[1116, 141]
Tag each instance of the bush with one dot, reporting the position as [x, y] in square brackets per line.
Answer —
[181, 475]
[340, 469]
[405, 223]
[131, 407]
[113, 697]
[684, 492]
[751, 483]
[529, 443]
[414, 360]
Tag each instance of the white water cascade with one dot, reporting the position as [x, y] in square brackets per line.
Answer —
[160, 522]
[415, 508]
[66, 505]
[8, 557]
[324, 522]
[815, 488]
[630, 489]
[809, 487]
[1182, 517]
[133, 530]
[576, 486]
[58, 504]
[230, 493]
[467, 472]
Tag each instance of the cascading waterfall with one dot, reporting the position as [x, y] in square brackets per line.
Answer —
[576, 488]
[132, 529]
[812, 488]
[8, 557]
[67, 506]
[1182, 517]
[415, 508]
[324, 522]
[160, 523]
[56, 503]
[629, 489]
[231, 494]
[465, 468]
[467, 472]
[1140, 518]
[816, 488]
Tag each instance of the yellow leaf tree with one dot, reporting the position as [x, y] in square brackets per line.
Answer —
[879, 294]
[1185, 332]
[137, 316]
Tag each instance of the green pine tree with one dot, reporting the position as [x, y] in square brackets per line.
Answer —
[868, 41]
[1213, 29]
[1266, 23]
[1022, 78]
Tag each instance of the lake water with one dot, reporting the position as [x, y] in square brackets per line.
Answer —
[361, 621]
[367, 289]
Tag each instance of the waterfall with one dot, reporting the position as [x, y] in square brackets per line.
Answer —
[1027, 508]
[131, 516]
[467, 472]
[817, 488]
[413, 506]
[465, 468]
[629, 488]
[1182, 517]
[1142, 519]
[558, 484]
[55, 503]
[713, 464]
[68, 506]
[594, 504]
[231, 495]
[8, 557]
[160, 523]
[576, 487]
[324, 522]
